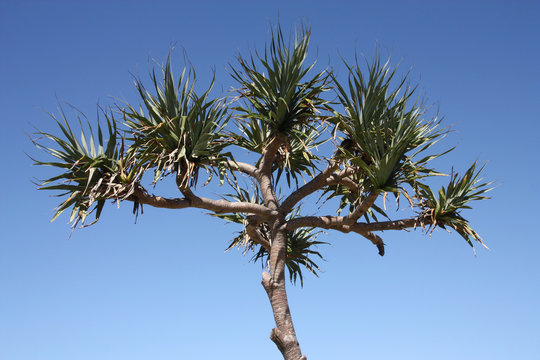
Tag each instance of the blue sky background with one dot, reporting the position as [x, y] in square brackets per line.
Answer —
[164, 289]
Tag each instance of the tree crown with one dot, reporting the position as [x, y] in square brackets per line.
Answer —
[354, 142]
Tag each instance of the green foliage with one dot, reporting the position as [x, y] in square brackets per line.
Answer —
[445, 209]
[301, 245]
[384, 139]
[384, 128]
[180, 132]
[279, 97]
[91, 172]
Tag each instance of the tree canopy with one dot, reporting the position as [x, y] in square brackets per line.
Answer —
[286, 136]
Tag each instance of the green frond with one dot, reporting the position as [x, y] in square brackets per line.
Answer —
[444, 208]
[91, 170]
[180, 131]
[384, 127]
[276, 88]
[301, 249]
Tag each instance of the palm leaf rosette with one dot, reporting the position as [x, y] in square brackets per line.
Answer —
[445, 209]
[385, 128]
[180, 131]
[92, 171]
[278, 97]
[384, 133]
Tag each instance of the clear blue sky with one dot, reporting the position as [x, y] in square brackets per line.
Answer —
[164, 289]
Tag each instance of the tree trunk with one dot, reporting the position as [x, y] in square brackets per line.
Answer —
[283, 335]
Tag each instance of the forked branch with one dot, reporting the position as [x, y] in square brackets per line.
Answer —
[313, 185]
[220, 206]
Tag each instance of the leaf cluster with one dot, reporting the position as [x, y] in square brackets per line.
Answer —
[277, 95]
[180, 131]
[93, 170]
[383, 129]
[444, 208]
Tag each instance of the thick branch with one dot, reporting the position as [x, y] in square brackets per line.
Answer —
[329, 222]
[269, 154]
[264, 172]
[218, 206]
[315, 184]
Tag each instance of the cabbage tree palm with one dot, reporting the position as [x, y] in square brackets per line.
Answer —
[347, 145]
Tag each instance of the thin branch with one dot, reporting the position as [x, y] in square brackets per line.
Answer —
[141, 196]
[364, 229]
[376, 240]
[345, 181]
[254, 234]
[330, 221]
[361, 209]
[251, 224]
[243, 167]
[419, 221]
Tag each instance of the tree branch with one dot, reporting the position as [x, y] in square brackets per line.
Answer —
[264, 172]
[419, 221]
[247, 169]
[330, 223]
[269, 154]
[364, 229]
[313, 185]
[361, 208]
[141, 196]
[376, 240]
[345, 181]
[254, 235]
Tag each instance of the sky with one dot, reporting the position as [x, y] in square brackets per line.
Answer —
[163, 288]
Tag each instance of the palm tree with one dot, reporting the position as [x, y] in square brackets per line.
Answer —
[374, 139]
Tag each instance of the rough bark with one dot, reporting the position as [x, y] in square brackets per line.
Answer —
[283, 335]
